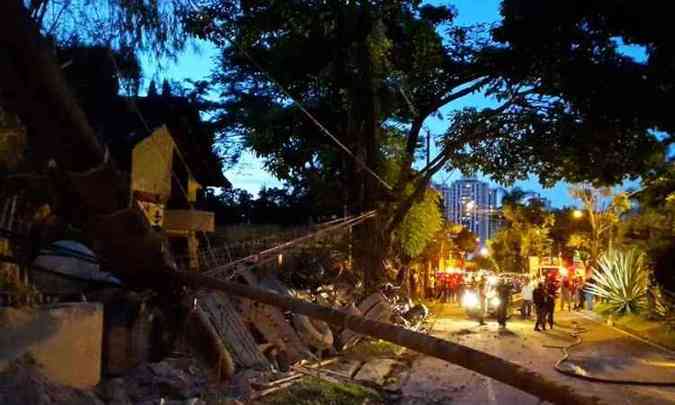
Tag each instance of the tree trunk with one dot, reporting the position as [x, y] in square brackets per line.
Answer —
[425, 280]
[372, 244]
[370, 252]
[480, 362]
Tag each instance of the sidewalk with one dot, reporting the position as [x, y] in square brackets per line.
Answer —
[653, 332]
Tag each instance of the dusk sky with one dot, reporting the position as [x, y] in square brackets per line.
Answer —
[249, 174]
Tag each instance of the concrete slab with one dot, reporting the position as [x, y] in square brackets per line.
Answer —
[346, 367]
[377, 371]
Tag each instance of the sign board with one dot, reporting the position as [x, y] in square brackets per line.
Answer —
[154, 212]
[152, 164]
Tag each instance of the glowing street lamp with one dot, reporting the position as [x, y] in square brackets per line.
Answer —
[485, 252]
[577, 214]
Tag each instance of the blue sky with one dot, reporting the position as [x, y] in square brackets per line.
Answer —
[196, 63]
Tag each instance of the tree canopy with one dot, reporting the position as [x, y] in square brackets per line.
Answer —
[525, 231]
[369, 71]
[577, 49]
[365, 69]
[149, 26]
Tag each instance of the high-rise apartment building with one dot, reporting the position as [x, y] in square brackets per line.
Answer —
[472, 203]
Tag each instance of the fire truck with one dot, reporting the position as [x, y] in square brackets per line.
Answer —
[554, 267]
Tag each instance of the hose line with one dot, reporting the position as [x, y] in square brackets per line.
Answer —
[577, 335]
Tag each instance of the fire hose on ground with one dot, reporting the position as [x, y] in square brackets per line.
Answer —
[577, 335]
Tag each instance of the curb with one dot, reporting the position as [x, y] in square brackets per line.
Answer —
[626, 331]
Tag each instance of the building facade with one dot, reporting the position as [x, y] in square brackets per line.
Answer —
[472, 203]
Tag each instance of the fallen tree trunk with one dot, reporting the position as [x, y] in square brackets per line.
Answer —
[480, 362]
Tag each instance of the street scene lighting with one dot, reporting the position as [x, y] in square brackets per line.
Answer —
[577, 214]
[485, 252]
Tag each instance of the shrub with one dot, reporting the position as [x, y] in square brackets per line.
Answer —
[621, 278]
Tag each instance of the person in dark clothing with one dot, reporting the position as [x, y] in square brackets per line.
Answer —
[539, 300]
[550, 291]
[481, 287]
[581, 296]
[504, 294]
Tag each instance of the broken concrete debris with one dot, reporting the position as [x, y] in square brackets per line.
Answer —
[375, 372]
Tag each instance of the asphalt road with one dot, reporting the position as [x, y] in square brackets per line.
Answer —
[605, 353]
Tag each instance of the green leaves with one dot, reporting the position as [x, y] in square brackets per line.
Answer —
[525, 232]
[420, 224]
[621, 278]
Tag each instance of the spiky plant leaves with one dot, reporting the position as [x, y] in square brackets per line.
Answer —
[622, 279]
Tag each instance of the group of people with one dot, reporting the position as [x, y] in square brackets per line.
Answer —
[449, 286]
[539, 295]
[543, 295]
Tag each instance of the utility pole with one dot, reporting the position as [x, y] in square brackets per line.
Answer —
[428, 146]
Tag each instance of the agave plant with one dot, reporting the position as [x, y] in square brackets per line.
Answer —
[622, 279]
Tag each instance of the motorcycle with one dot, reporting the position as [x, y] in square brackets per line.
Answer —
[405, 312]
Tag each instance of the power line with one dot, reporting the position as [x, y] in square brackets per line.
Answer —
[310, 116]
[266, 255]
[303, 109]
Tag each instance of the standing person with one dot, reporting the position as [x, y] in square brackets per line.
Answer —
[451, 288]
[504, 293]
[456, 287]
[566, 293]
[581, 297]
[481, 286]
[588, 296]
[527, 292]
[550, 292]
[446, 287]
[574, 284]
[439, 285]
[430, 291]
[539, 300]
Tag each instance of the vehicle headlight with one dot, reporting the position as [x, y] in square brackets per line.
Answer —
[470, 300]
[495, 301]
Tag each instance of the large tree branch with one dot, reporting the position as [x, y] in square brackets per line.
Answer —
[437, 163]
[423, 177]
[412, 139]
[460, 93]
[414, 132]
